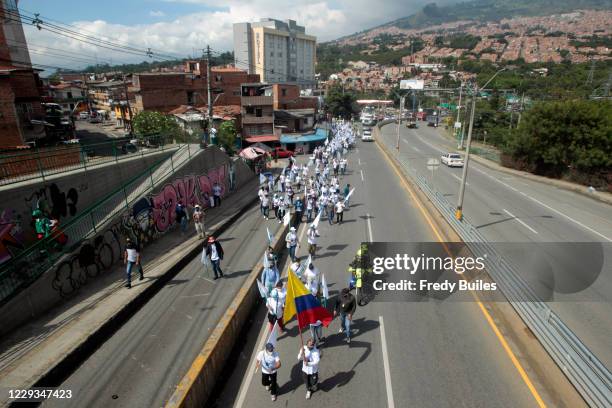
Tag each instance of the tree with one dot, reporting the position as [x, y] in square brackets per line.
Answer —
[559, 138]
[226, 137]
[340, 103]
[149, 123]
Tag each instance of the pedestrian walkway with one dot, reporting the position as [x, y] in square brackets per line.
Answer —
[31, 351]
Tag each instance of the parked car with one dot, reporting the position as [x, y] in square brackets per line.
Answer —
[452, 159]
[83, 115]
[281, 153]
[95, 119]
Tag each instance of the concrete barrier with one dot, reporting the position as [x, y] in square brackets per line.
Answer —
[198, 383]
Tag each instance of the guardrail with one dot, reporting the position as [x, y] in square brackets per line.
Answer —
[590, 377]
[44, 162]
[27, 266]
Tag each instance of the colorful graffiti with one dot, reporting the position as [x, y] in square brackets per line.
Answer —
[11, 235]
[54, 202]
[148, 218]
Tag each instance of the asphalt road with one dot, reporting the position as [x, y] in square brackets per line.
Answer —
[425, 354]
[507, 208]
[143, 362]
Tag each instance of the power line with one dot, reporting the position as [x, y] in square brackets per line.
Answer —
[98, 42]
[29, 44]
[84, 30]
[31, 65]
[55, 54]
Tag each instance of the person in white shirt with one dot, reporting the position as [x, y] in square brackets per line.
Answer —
[131, 257]
[214, 251]
[339, 211]
[291, 240]
[310, 357]
[312, 235]
[198, 220]
[269, 361]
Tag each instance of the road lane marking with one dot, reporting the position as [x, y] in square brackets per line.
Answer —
[492, 324]
[201, 294]
[369, 228]
[359, 160]
[361, 171]
[383, 342]
[416, 148]
[522, 223]
[548, 207]
[459, 178]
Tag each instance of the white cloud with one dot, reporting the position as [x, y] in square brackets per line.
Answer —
[156, 13]
[325, 19]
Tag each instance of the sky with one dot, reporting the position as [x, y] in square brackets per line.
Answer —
[184, 27]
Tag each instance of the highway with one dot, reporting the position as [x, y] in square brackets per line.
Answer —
[143, 362]
[508, 208]
[425, 354]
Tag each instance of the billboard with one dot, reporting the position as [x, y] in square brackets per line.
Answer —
[412, 84]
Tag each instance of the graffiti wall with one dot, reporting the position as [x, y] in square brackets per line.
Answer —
[147, 219]
[59, 200]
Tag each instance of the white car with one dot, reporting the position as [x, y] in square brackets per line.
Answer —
[83, 115]
[366, 136]
[452, 159]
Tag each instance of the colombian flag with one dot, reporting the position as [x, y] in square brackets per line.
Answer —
[301, 302]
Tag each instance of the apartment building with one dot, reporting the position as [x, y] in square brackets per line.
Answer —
[279, 51]
[257, 112]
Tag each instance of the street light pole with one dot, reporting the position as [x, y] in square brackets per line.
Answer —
[459, 109]
[459, 210]
[399, 121]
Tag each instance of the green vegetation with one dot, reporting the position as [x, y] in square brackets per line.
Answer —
[593, 41]
[148, 123]
[465, 41]
[339, 103]
[565, 139]
[226, 137]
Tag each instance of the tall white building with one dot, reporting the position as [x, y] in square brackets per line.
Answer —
[278, 51]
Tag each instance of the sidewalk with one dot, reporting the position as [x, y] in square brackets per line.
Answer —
[566, 185]
[35, 350]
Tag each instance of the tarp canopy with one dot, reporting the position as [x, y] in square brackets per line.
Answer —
[262, 139]
[319, 135]
[251, 153]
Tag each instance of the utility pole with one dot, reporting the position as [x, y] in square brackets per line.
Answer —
[129, 108]
[459, 109]
[459, 210]
[209, 92]
[399, 121]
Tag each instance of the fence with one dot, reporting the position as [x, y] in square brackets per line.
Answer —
[590, 377]
[26, 267]
[44, 162]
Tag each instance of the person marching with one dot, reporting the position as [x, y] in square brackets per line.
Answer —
[312, 235]
[346, 305]
[131, 257]
[198, 220]
[269, 361]
[310, 357]
[339, 211]
[214, 251]
[292, 243]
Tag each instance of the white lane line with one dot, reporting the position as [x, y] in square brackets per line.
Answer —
[522, 223]
[548, 207]
[416, 148]
[459, 178]
[383, 342]
[361, 171]
[359, 160]
[571, 219]
[370, 228]
[201, 294]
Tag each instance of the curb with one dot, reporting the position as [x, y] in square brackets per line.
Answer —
[605, 198]
[198, 384]
[64, 368]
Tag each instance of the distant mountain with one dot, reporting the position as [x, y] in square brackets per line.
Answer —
[487, 10]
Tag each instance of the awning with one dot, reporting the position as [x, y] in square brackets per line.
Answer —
[262, 139]
[319, 135]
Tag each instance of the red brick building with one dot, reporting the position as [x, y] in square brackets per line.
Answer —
[165, 91]
[20, 86]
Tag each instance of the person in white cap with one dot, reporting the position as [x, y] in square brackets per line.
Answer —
[269, 361]
[292, 243]
[198, 220]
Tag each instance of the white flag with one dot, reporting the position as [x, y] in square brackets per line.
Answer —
[270, 237]
[273, 335]
[324, 289]
[266, 261]
[349, 194]
[286, 219]
[262, 178]
[326, 142]
[315, 223]
[262, 289]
